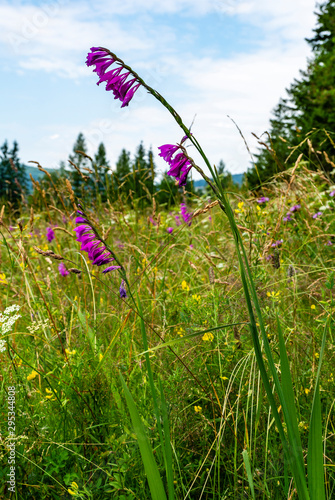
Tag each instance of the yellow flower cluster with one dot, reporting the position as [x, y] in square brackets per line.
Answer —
[32, 375]
[208, 337]
[185, 286]
[3, 279]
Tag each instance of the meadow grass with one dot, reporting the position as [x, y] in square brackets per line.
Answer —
[75, 431]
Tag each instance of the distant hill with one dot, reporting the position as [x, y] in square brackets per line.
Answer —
[237, 179]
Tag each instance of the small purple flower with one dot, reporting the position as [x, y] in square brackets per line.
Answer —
[315, 216]
[153, 222]
[180, 164]
[329, 243]
[191, 246]
[295, 208]
[170, 230]
[123, 293]
[115, 80]
[50, 234]
[277, 243]
[62, 269]
[187, 217]
[178, 221]
[288, 217]
[332, 193]
[263, 199]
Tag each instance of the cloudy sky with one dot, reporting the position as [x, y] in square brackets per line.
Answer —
[208, 58]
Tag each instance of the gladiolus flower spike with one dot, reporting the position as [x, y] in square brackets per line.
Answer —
[180, 164]
[92, 243]
[116, 81]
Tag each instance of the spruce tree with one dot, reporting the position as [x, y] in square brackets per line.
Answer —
[101, 168]
[307, 112]
[77, 181]
[12, 174]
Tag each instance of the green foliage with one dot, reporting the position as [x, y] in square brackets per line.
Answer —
[13, 177]
[307, 112]
[73, 422]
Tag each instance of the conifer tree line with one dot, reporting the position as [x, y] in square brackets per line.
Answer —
[132, 179]
[305, 118]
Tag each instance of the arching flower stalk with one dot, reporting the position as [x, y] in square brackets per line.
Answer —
[98, 251]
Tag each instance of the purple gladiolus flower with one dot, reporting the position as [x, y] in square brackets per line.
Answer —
[170, 230]
[50, 234]
[123, 293]
[185, 214]
[178, 221]
[179, 164]
[315, 216]
[263, 199]
[92, 244]
[115, 80]
[62, 269]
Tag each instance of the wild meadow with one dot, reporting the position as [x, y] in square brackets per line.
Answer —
[75, 335]
[199, 364]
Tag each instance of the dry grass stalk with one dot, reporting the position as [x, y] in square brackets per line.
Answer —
[206, 208]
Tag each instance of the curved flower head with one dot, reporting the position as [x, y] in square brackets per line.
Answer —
[91, 243]
[187, 216]
[116, 81]
[179, 164]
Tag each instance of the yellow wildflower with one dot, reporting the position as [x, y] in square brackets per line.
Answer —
[196, 297]
[197, 409]
[180, 332]
[74, 490]
[307, 390]
[3, 280]
[100, 357]
[312, 306]
[70, 353]
[208, 336]
[185, 286]
[273, 295]
[32, 375]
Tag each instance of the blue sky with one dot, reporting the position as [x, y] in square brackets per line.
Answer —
[208, 58]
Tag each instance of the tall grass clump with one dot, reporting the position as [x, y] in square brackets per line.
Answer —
[179, 355]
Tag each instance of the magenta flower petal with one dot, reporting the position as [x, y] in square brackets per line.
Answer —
[62, 269]
[115, 79]
[110, 268]
[123, 293]
[50, 234]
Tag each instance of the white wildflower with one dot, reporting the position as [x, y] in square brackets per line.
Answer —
[2, 345]
[6, 322]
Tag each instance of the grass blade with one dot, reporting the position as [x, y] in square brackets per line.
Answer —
[249, 474]
[315, 468]
[155, 482]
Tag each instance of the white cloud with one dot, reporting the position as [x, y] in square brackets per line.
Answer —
[54, 38]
